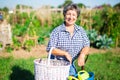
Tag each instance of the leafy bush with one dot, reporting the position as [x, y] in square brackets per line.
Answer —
[28, 44]
[41, 40]
[103, 42]
[19, 30]
[16, 43]
[99, 41]
[97, 21]
[9, 49]
[92, 34]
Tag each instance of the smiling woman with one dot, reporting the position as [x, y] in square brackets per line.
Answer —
[69, 40]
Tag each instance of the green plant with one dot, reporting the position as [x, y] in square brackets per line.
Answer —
[1, 45]
[19, 30]
[16, 43]
[115, 31]
[97, 21]
[92, 34]
[41, 40]
[8, 48]
[28, 44]
[99, 41]
[103, 42]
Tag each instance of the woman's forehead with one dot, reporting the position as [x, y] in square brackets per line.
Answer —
[73, 10]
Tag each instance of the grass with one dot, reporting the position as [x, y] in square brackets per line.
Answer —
[16, 69]
[105, 67]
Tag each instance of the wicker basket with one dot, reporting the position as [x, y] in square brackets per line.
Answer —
[51, 69]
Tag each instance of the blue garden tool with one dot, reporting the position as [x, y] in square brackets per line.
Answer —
[82, 75]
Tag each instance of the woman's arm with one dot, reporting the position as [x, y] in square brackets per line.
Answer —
[81, 57]
[59, 52]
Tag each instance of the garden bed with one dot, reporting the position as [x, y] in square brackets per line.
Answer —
[40, 50]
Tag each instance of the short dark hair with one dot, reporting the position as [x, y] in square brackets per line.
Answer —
[71, 6]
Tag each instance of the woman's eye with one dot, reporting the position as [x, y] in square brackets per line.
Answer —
[68, 14]
[73, 14]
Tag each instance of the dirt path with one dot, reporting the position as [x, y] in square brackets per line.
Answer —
[37, 52]
[40, 51]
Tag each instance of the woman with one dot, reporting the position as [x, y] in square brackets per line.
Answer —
[69, 40]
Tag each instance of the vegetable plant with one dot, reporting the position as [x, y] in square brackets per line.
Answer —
[103, 41]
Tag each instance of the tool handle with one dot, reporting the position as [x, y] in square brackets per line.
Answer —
[83, 67]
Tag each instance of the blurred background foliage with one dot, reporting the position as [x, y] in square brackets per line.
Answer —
[31, 28]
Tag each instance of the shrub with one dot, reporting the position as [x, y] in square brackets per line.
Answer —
[103, 41]
[28, 44]
[92, 34]
[9, 48]
[99, 41]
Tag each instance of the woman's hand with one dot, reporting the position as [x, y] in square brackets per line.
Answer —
[68, 56]
[59, 52]
[81, 59]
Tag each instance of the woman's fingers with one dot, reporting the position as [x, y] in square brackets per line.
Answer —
[69, 58]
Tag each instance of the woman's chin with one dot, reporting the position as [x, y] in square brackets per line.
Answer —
[70, 23]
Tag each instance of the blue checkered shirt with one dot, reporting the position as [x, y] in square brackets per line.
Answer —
[61, 39]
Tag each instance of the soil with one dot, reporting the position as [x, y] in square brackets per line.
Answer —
[37, 51]
[40, 51]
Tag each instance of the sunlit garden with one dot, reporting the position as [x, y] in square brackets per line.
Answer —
[105, 67]
[32, 28]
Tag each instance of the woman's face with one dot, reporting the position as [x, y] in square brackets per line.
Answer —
[70, 17]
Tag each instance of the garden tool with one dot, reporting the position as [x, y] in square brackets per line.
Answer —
[72, 78]
[82, 75]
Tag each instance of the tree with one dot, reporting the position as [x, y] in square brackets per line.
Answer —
[5, 9]
[65, 3]
[18, 6]
[117, 7]
[111, 24]
[81, 5]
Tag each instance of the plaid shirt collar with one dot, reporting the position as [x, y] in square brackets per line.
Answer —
[63, 27]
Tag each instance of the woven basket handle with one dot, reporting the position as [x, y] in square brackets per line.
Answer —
[49, 55]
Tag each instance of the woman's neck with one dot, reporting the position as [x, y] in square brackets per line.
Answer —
[69, 25]
[70, 29]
